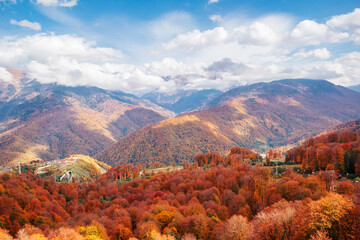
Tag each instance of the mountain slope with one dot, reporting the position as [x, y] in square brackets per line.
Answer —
[48, 121]
[183, 101]
[257, 116]
[351, 126]
[355, 88]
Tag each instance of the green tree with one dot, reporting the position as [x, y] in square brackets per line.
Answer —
[347, 160]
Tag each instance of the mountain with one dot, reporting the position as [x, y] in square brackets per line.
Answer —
[183, 100]
[258, 117]
[355, 88]
[351, 126]
[49, 121]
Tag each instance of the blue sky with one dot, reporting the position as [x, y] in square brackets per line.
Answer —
[158, 45]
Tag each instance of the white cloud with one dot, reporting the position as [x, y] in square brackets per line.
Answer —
[70, 72]
[314, 33]
[320, 53]
[196, 39]
[62, 17]
[212, 1]
[256, 34]
[350, 73]
[349, 21]
[39, 47]
[60, 3]
[226, 65]
[73, 61]
[171, 67]
[215, 18]
[356, 38]
[178, 55]
[5, 75]
[25, 23]
[344, 70]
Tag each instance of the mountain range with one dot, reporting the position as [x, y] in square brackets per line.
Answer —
[258, 116]
[182, 101]
[49, 121]
[355, 88]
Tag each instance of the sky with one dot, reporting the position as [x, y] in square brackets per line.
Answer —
[166, 45]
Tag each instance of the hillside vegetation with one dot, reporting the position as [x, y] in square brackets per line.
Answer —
[231, 200]
[338, 148]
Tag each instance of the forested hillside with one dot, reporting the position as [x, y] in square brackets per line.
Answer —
[336, 149]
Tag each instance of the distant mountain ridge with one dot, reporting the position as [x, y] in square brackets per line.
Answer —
[258, 116]
[351, 126]
[183, 100]
[48, 121]
[355, 88]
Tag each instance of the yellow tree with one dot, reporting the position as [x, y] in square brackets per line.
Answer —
[236, 228]
[329, 214]
[164, 218]
[4, 235]
[275, 223]
[90, 232]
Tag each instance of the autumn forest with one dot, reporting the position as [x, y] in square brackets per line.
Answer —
[216, 197]
[179, 120]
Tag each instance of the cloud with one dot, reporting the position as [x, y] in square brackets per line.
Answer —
[212, 1]
[349, 69]
[256, 34]
[215, 18]
[39, 47]
[320, 53]
[349, 21]
[196, 39]
[61, 16]
[314, 33]
[171, 52]
[227, 65]
[25, 23]
[344, 70]
[356, 39]
[73, 61]
[5, 75]
[70, 72]
[60, 3]
[171, 67]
